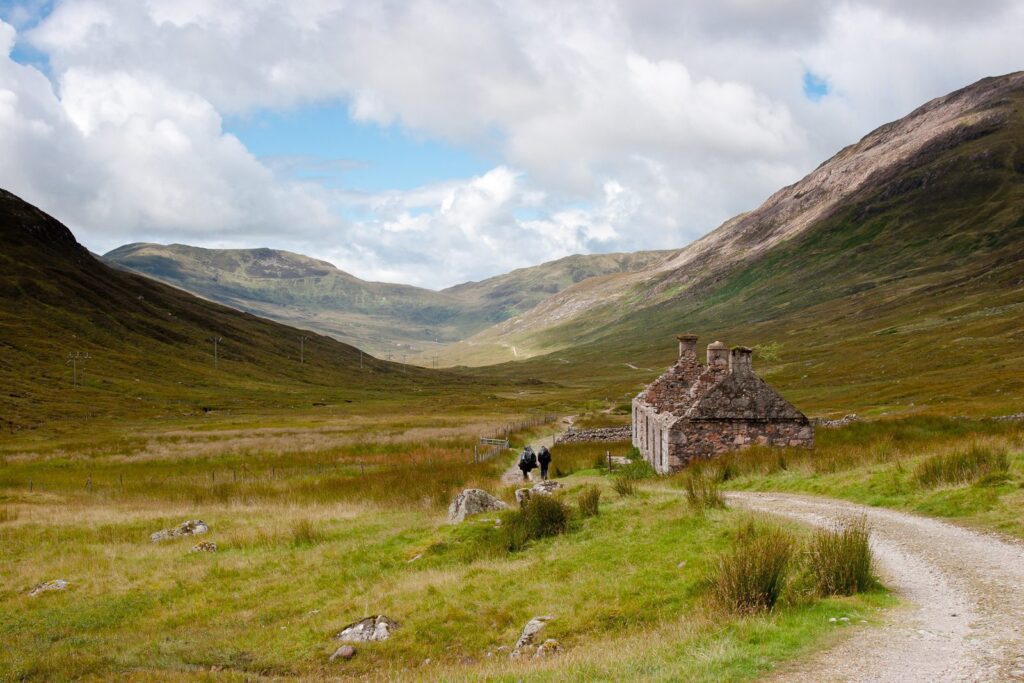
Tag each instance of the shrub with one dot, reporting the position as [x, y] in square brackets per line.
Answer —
[840, 561]
[624, 486]
[589, 501]
[305, 532]
[702, 492]
[962, 467]
[542, 516]
[751, 577]
[637, 470]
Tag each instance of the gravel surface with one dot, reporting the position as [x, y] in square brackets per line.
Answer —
[963, 591]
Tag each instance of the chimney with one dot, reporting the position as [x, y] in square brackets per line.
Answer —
[739, 361]
[687, 347]
[718, 354]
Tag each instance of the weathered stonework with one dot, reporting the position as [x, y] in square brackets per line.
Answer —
[599, 434]
[696, 411]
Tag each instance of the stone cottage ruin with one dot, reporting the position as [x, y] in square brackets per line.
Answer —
[696, 411]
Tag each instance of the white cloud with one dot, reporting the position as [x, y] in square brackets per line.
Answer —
[619, 124]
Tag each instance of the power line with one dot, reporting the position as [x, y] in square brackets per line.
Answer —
[216, 341]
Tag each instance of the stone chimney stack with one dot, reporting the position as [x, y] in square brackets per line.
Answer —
[740, 361]
[687, 347]
[718, 354]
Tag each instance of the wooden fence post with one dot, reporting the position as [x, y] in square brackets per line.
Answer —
[608, 454]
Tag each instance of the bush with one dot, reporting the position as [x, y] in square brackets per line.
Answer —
[752, 576]
[840, 561]
[702, 492]
[542, 516]
[589, 501]
[624, 486]
[963, 467]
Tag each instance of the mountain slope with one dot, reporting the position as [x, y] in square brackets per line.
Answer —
[892, 274]
[149, 345]
[381, 317]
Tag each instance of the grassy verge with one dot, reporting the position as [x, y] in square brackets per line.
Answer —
[971, 471]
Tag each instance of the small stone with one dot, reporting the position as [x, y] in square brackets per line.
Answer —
[204, 547]
[414, 558]
[47, 586]
[681, 565]
[845, 620]
[192, 527]
[344, 652]
[525, 644]
[832, 620]
[548, 648]
[426, 662]
[370, 629]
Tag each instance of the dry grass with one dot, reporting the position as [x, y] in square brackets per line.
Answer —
[624, 486]
[589, 501]
[840, 560]
[752, 576]
[703, 492]
[963, 466]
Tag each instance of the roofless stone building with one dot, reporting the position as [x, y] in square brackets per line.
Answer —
[696, 411]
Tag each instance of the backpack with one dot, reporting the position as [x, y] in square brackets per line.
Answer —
[545, 456]
[524, 460]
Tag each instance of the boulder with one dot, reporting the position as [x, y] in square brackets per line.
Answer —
[522, 497]
[192, 527]
[47, 586]
[344, 652]
[526, 645]
[204, 547]
[546, 488]
[473, 502]
[370, 629]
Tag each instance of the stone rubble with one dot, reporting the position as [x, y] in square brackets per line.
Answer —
[370, 629]
[526, 646]
[47, 586]
[192, 527]
[571, 435]
[543, 488]
[473, 502]
[840, 422]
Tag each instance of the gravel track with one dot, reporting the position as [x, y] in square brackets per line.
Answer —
[963, 590]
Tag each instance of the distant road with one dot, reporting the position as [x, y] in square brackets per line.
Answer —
[963, 589]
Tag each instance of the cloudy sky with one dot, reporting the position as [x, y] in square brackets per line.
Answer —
[433, 141]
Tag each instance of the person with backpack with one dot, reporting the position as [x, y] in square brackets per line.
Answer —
[544, 459]
[527, 461]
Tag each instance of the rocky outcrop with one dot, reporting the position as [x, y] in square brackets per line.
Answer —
[543, 488]
[192, 527]
[840, 422]
[370, 629]
[473, 502]
[527, 646]
[622, 433]
[47, 586]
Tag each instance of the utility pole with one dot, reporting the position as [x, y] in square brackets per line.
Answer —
[216, 341]
[302, 349]
[360, 359]
[74, 358]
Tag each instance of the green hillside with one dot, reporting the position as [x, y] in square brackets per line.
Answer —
[149, 346]
[383, 318]
[907, 296]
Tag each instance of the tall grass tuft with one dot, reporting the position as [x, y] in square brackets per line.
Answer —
[306, 533]
[751, 577]
[703, 492]
[541, 517]
[840, 561]
[8, 515]
[624, 486]
[963, 467]
[589, 502]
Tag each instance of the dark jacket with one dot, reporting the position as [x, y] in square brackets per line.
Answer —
[527, 461]
[545, 456]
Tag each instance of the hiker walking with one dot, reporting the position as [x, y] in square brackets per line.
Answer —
[544, 458]
[527, 461]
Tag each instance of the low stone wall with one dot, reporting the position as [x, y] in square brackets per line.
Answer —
[840, 422]
[623, 433]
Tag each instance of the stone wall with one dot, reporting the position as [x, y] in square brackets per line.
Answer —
[600, 434]
[707, 439]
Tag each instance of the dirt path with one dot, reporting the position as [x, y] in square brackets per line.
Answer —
[964, 619]
[513, 475]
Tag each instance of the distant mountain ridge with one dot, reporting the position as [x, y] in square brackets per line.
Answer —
[383, 318]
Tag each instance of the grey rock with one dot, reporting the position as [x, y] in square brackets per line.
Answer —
[548, 647]
[370, 629]
[47, 586]
[473, 502]
[522, 497]
[192, 527]
[204, 547]
[526, 646]
[344, 652]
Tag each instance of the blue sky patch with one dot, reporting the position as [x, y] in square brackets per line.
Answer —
[815, 86]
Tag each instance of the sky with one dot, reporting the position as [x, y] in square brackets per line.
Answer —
[433, 142]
